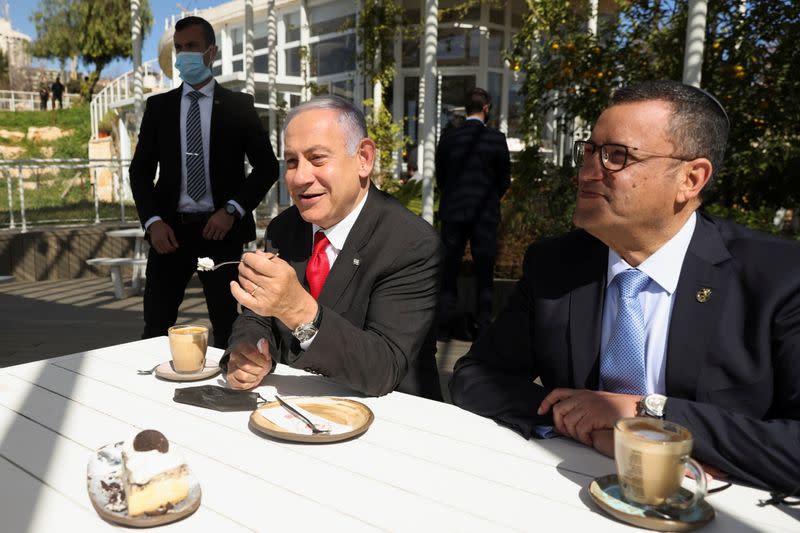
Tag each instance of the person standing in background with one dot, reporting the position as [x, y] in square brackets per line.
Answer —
[202, 203]
[473, 171]
[58, 90]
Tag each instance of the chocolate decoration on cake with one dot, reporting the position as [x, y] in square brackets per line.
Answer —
[150, 439]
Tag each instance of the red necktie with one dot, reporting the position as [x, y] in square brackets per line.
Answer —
[318, 266]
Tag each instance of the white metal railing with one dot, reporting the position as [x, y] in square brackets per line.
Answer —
[37, 170]
[121, 88]
[30, 100]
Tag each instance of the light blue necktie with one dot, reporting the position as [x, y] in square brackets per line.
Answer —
[195, 162]
[622, 366]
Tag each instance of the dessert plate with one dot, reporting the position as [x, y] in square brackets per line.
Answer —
[106, 492]
[341, 411]
[167, 371]
[606, 493]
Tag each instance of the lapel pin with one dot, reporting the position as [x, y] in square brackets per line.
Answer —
[703, 295]
[356, 261]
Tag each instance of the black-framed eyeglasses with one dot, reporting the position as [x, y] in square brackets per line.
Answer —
[613, 157]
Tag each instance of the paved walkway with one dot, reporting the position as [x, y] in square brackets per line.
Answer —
[44, 319]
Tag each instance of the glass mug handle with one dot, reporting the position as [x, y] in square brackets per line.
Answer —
[700, 488]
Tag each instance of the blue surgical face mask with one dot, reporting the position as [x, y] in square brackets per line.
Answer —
[191, 67]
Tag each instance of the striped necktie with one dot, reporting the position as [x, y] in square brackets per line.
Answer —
[195, 162]
[622, 366]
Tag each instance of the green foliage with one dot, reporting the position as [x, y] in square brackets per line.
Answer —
[750, 63]
[97, 31]
[378, 24]
[3, 70]
[539, 203]
[388, 137]
[76, 118]
[58, 23]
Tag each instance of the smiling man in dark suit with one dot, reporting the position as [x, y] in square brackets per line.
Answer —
[201, 205]
[652, 308]
[352, 295]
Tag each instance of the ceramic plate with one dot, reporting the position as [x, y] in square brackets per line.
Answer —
[167, 371]
[103, 480]
[606, 493]
[339, 410]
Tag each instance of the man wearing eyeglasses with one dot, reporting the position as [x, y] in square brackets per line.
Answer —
[652, 308]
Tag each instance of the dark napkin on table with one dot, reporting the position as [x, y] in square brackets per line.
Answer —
[217, 398]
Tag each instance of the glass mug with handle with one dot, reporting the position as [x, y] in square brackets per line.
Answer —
[652, 457]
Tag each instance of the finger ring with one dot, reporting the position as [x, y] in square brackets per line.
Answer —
[253, 292]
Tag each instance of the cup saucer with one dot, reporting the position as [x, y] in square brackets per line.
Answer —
[166, 371]
[606, 493]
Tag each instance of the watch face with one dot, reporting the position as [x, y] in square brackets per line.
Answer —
[654, 403]
[304, 332]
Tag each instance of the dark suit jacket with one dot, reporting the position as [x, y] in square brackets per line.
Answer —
[732, 363]
[236, 131]
[472, 173]
[378, 302]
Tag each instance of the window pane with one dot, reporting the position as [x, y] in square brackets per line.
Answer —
[497, 15]
[237, 40]
[410, 111]
[292, 56]
[411, 52]
[260, 64]
[495, 48]
[454, 91]
[495, 90]
[260, 35]
[458, 47]
[518, 10]
[332, 17]
[514, 107]
[216, 70]
[238, 65]
[343, 88]
[291, 24]
[333, 56]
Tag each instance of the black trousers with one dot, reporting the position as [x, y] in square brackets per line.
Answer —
[168, 275]
[482, 237]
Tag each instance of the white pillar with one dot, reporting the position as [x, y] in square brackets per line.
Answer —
[593, 17]
[428, 128]
[695, 42]
[272, 71]
[138, 81]
[250, 80]
[305, 63]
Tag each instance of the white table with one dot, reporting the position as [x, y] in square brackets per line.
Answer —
[422, 466]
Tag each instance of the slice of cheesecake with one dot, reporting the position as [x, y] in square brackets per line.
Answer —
[155, 478]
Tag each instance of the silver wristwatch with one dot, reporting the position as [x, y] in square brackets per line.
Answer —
[305, 332]
[652, 406]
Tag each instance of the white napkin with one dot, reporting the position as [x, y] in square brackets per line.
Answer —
[279, 416]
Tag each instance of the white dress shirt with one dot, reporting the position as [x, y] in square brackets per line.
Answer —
[337, 235]
[664, 269]
[186, 204]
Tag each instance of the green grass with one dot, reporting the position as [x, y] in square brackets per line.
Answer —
[75, 118]
[65, 195]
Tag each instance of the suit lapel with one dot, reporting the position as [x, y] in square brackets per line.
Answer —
[173, 127]
[215, 134]
[349, 261]
[296, 249]
[695, 309]
[585, 317]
